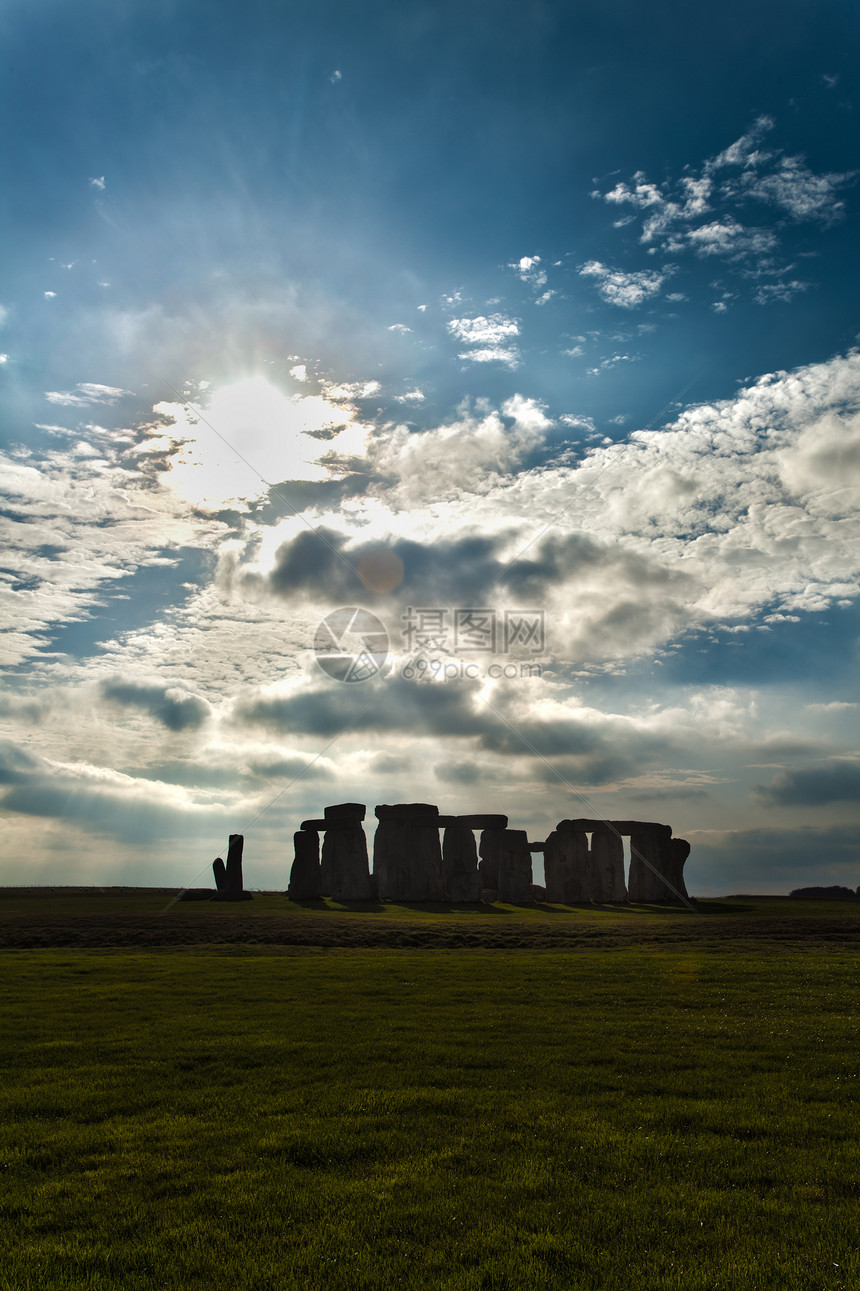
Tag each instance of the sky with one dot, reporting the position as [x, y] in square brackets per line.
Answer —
[428, 401]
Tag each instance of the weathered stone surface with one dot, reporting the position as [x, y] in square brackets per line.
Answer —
[305, 871]
[644, 884]
[567, 868]
[220, 874]
[234, 863]
[537, 847]
[489, 896]
[317, 824]
[586, 826]
[515, 867]
[538, 892]
[444, 822]
[488, 850]
[405, 810]
[835, 893]
[483, 821]
[346, 811]
[460, 878]
[607, 866]
[407, 858]
[232, 894]
[197, 894]
[344, 873]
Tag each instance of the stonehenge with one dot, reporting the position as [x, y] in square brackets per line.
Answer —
[583, 859]
[229, 884]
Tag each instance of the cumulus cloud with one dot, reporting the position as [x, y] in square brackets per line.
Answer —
[619, 287]
[173, 708]
[699, 212]
[490, 338]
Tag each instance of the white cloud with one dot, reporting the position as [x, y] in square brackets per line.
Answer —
[728, 238]
[98, 183]
[399, 327]
[337, 75]
[619, 287]
[411, 396]
[768, 292]
[299, 372]
[49, 295]
[528, 270]
[84, 394]
[796, 189]
[674, 213]
[491, 336]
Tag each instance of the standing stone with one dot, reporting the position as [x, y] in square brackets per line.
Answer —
[220, 874]
[515, 867]
[460, 878]
[567, 868]
[407, 855]
[488, 850]
[644, 884]
[679, 850]
[305, 872]
[344, 874]
[607, 866]
[234, 863]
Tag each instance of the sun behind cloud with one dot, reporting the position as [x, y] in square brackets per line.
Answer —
[251, 435]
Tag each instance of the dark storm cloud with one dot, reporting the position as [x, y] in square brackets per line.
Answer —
[751, 856]
[176, 710]
[836, 781]
[320, 565]
[107, 804]
[395, 705]
[15, 764]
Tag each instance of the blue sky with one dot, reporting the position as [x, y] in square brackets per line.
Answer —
[555, 305]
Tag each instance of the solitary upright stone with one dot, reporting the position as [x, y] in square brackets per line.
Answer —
[460, 878]
[305, 872]
[515, 867]
[344, 869]
[607, 866]
[650, 862]
[220, 874]
[567, 868]
[234, 863]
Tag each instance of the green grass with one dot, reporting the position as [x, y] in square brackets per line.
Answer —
[364, 1119]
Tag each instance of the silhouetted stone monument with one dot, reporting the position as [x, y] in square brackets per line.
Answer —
[234, 862]
[233, 889]
[220, 874]
[407, 855]
[515, 867]
[488, 850]
[460, 878]
[344, 872]
[607, 866]
[305, 871]
[646, 880]
[567, 867]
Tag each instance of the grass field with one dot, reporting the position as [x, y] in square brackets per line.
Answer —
[644, 1114]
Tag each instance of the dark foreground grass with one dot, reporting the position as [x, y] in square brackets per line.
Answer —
[367, 1119]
